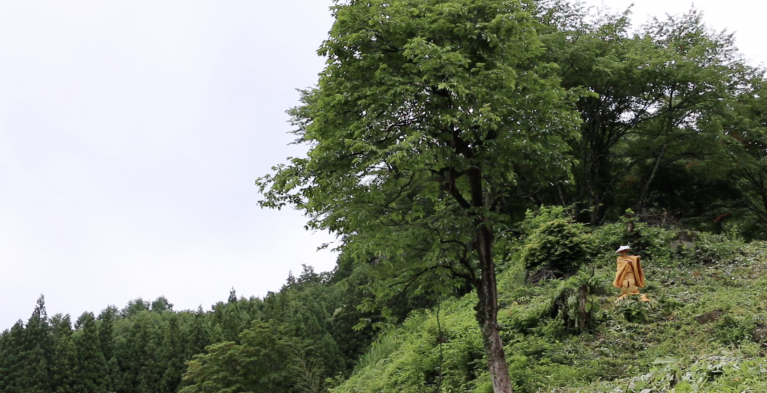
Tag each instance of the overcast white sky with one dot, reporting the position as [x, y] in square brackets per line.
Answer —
[131, 134]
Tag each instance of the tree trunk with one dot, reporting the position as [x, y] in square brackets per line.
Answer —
[588, 179]
[487, 314]
[640, 202]
[487, 290]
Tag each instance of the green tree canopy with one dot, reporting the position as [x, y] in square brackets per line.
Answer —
[260, 363]
[431, 122]
[658, 126]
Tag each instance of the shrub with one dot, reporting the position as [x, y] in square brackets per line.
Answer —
[734, 330]
[555, 242]
[568, 306]
[718, 247]
[651, 242]
[579, 301]
[633, 310]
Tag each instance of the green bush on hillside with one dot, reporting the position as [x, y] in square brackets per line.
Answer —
[651, 242]
[654, 243]
[564, 306]
[555, 242]
[718, 247]
[735, 329]
[424, 353]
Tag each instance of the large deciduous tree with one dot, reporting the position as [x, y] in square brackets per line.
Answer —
[748, 167]
[661, 94]
[258, 363]
[431, 121]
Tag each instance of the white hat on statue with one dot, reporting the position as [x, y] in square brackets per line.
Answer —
[622, 248]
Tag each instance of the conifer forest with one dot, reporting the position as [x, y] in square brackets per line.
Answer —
[480, 161]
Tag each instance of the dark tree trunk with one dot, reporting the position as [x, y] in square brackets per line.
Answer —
[487, 290]
[639, 207]
[487, 314]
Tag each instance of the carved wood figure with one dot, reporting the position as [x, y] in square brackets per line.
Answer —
[629, 275]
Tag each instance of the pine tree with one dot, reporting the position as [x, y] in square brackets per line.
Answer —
[4, 342]
[93, 368]
[172, 357]
[64, 361]
[106, 342]
[10, 358]
[139, 359]
[134, 307]
[231, 319]
[106, 331]
[161, 305]
[37, 352]
[232, 297]
[199, 335]
[115, 381]
[231, 324]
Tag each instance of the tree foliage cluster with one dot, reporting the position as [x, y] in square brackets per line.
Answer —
[555, 243]
[667, 122]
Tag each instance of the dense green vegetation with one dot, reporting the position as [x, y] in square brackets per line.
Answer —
[292, 339]
[702, 332]
[480, 161]
[436, 124]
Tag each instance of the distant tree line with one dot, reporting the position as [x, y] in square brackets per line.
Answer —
[289, 341]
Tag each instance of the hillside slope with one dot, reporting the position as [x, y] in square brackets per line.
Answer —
[700, 333]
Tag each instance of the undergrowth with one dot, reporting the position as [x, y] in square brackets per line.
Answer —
[699, 333]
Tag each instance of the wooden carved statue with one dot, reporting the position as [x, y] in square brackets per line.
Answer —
[629, 275]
